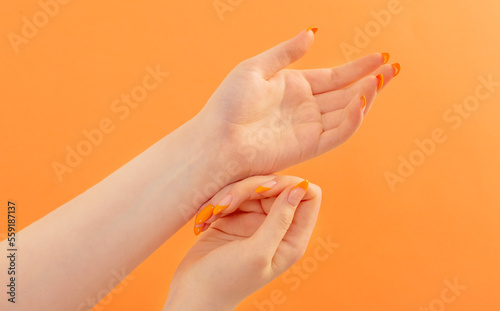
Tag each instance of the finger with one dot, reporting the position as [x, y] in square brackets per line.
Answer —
[229, 199]
[298, 235]
[348, 125]
[305, 216]
[368, 86]
[240, 192]
[233, 197]
[389, 72]
[200, 228]
[333, 119]
[330, 79]
[372, 85]
[282, 55]
[254, 188]
[239, 224]
[335, 100]
[278, 221]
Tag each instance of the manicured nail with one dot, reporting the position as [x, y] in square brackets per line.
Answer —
[313, 29]
[204, 214]
[397, 68]
[198, 230]
[223, 204]
[298, 192]
[386, 57]
[363, 102]
[265, 186]
[380, 79]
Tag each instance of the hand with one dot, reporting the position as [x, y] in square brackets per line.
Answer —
[272, 118]
[254, 238]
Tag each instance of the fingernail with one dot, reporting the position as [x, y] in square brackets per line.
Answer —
[363, 102]
[198, 230]
[380, 79]
[397, 68]
[223, 204]
[298, 192]
[313, 29]
[266, 186]
[204, 214]
[386, 57]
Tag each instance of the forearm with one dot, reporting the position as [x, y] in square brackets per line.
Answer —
[116, 224]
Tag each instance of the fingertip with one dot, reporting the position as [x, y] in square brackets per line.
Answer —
[397, 68]
[313, 29]
[223, 204]
[198, 229]
[363, 102]
[356, 110]
[385, 57]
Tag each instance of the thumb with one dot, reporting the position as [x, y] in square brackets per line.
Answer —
[283, 54]
[272, 231]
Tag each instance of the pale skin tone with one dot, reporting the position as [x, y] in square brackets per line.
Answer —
[119, 222]
[255, 239]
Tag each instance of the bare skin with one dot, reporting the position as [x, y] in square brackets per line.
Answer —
[119, 222]
[258, 237]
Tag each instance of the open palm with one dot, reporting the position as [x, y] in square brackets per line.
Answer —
[274, 117]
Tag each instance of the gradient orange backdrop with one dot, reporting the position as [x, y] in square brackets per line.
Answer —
[396, 248]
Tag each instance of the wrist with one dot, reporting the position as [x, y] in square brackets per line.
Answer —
[194, 298]
[197, 163]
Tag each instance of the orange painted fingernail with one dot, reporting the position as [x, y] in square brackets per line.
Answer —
[313, 29]
[303, 184]
[380, 79]
[386, 57]
[266, 186]
[397, 68]
[223, 204]
[204, 214]
[298, 192]
[363, 102]
[198, 230]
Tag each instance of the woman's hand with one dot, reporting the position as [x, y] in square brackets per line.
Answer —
[262, 227]
[271, 118]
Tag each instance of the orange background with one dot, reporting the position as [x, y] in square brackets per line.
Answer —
[396, 248]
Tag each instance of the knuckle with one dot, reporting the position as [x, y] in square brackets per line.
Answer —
[315, 189]
[258, 260]
[297, 255]
[285, 219]
[246, 64]
[335, 76]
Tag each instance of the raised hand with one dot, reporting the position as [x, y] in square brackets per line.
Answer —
[270, 117]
